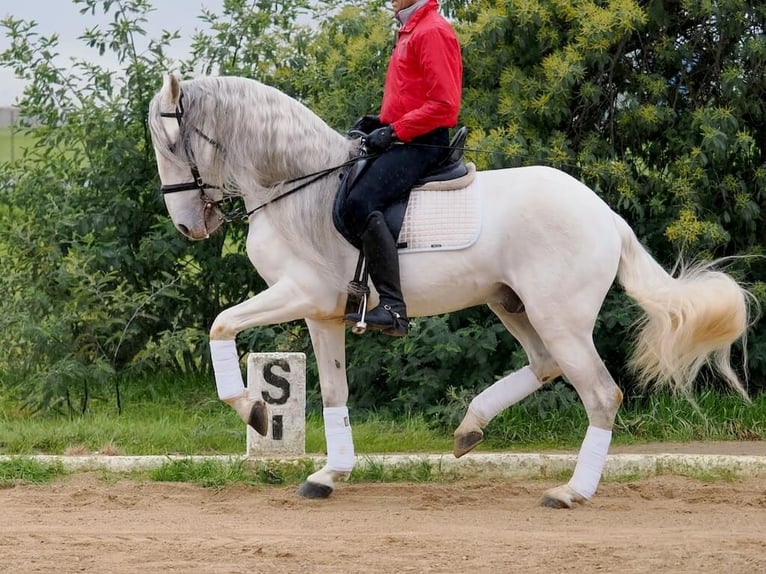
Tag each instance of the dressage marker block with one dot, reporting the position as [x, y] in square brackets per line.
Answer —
[279, 379]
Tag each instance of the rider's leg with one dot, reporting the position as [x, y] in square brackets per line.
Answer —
[386, 180]
[379, 247]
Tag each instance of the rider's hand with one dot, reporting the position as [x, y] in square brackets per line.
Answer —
[380, 140]
[366, 124]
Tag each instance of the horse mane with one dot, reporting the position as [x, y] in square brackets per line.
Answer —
[264, 138]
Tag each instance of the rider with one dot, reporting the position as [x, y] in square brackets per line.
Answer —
[421, 101]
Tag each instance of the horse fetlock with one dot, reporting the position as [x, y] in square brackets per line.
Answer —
[561, 497]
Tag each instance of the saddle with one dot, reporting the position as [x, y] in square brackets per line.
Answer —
[450, 168]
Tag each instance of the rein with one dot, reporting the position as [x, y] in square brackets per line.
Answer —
[200, 185]
[310, 178]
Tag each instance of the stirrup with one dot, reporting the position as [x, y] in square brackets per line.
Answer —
[358, 325]
[358, 288]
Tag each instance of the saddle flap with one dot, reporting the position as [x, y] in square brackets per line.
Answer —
[449, 174]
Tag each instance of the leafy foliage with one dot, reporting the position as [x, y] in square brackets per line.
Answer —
[95, 277]
[658, 106]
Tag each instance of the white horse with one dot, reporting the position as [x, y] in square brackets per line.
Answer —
[548, 251]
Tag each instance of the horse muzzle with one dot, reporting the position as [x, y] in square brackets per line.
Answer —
[202, 224]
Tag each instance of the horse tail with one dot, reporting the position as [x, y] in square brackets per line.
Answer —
[690, 320]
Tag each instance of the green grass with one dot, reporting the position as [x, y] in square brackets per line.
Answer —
[19, 469]
[12, 143]
[236, 471]
[144, 428]
[184, 416]
[714, 417]
[378, 434]
[219, 474]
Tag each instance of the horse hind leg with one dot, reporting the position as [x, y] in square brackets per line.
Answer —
[510, 389]
[601, 397]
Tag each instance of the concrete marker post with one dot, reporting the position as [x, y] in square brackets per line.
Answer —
[279, 379]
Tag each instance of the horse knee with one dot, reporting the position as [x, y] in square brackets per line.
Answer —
[220, 328]
[334, 398]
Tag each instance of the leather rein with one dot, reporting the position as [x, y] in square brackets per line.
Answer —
[199, 184]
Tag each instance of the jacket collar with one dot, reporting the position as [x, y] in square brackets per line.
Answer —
[410, 16]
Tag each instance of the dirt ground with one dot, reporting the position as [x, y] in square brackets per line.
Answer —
[85, 523]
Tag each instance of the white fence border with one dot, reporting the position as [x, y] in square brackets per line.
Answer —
[484, 465]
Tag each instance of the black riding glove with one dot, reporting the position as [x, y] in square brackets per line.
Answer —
[380, 140]
[366, 124]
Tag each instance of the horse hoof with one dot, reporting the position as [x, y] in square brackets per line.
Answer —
[314, 490]
[561, 497]
[465, 443]
[259, 418]
[551, 502]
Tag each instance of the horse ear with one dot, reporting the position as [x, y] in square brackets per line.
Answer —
[172, 87]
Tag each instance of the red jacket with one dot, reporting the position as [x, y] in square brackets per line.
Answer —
[424, 79]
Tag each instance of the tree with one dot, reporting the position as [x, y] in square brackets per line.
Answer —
[656, 105]
[97, 281]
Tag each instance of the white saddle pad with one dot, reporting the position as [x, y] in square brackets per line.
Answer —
[438, 219]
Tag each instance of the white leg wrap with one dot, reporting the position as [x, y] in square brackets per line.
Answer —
[340, 444]
[228, 376]
[507, 391]
[590, 461]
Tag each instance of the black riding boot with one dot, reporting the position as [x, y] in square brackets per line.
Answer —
[390, 316]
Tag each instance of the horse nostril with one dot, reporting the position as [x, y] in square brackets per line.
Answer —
[183, 229]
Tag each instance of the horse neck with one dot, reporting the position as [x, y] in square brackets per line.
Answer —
[302, 224]
[290, 140]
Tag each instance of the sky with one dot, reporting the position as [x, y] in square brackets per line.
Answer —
[63, 17]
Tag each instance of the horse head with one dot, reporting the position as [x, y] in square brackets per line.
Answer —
[182, 151]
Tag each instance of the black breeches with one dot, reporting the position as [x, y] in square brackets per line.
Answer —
[392, 175]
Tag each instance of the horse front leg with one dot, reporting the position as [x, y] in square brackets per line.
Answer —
[328, 340]
[282, 302]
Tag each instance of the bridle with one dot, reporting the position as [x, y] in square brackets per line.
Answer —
[197, 183]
